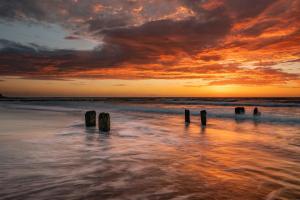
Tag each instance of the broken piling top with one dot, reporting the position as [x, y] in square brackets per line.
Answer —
[239, 110]
[187, 116]
[256, 112]
[90, 118]
[104, 122]
[203, 117]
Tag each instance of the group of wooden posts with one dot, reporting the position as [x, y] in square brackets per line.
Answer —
[241, 110]
[237, 110]
[104, 118]
[202, 115]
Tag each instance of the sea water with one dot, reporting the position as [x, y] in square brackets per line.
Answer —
[150, 153]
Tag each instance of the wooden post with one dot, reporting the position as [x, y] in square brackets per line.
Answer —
[203, 117]
[243, 110]
[187, 116]
[239, 110]
[256, 112]
[236, 110]
[90, 118]
[104, 122]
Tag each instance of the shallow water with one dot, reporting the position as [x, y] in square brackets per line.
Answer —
[47, 153]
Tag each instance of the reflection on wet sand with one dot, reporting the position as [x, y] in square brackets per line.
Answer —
[148, 156]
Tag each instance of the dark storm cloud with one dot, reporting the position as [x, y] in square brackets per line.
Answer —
[247, 8]
[165, 37]
[136, 45]
[14, 9]
[7, 46]
[20, 60]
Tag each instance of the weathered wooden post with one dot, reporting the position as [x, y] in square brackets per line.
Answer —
[239, 110]
[256, 112]
[242, 110]
[203, 117]
[187, 116]
[104, 122]
[90, 118]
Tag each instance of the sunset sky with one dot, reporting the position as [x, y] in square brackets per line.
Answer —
[193, 48]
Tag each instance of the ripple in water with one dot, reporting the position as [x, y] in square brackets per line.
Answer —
[51, 155]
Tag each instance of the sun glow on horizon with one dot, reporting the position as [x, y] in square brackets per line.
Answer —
[135, 88]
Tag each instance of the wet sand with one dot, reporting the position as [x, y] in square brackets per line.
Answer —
[49, 154]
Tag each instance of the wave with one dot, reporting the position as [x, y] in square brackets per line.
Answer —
[233, 102]
[273, 115]
[218, 113]
[44, 108]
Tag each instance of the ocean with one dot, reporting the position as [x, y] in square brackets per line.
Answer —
[46, 152]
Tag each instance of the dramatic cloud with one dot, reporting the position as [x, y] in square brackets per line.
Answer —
[219, 41]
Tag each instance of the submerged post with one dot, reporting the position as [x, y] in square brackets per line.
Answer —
[239, 110]
[203, 117]
[104, 122]
[256, 112]
[90, 118]
[187, 116]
